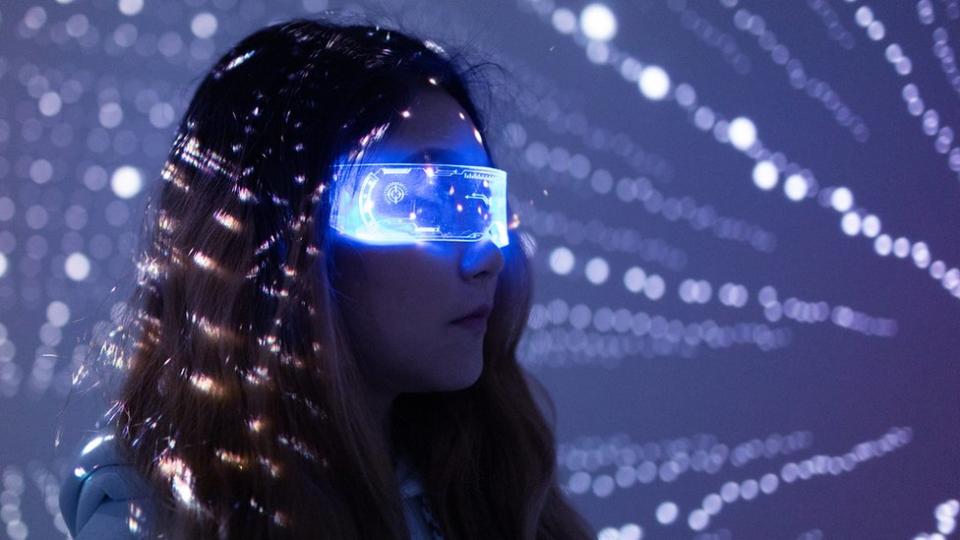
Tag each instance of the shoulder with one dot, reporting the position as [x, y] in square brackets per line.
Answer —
[103, 496]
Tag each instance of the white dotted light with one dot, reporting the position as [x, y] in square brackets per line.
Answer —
[161, 115]
[77, 266]
[130, 7]
[901, 247]
[561, 260]
[654, 287]
[630, 531]
[765, 175]
[58, 313]
[667, 513]
[50, 103]
[882, 245]
[126, 181]
[204, 25]
[850, 223]
[704, 118]
[841, 199]
[41, 171]
[698, 520]
[870, 226]
[654, 82]
[3, 265]
[730, 492]
[795, 187]
[597, 270]
[634, 279]
[921, 254]
[742, 133]
[110, 115]
[598, 23]
[685, 95]
[564, 20]
[598, 52]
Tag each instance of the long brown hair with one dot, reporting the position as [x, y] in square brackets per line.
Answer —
[240, 396]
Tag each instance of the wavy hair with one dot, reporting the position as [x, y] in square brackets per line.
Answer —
[239, 401]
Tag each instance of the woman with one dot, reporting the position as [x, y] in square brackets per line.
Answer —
[301, 366]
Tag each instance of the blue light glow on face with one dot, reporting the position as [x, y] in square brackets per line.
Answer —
[408, 203]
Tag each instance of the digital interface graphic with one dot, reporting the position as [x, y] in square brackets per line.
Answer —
[743, 218]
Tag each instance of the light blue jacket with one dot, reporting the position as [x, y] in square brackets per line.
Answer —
[104, 498]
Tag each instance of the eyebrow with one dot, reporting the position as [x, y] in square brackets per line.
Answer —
[439, 155]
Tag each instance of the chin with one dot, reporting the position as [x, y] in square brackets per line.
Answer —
[466, 377]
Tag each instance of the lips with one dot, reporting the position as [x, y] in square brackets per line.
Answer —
[481, 312]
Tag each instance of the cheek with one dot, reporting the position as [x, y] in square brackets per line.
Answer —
[402, 316]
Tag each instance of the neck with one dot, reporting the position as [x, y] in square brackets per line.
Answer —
[380, 404]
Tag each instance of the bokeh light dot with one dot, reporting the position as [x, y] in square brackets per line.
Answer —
[111, 115]
[698, 520]
[50, 104]
[850, 224]
[841, 199]
[634, 279]
[204, 25]
[130, 7]
[870, 226]
[58, 313]
[654, 287]
[765, 175]
[654, 83]
[597, 22]
[77, 266]
[795, 187]
[126, 181]
[883, 244]
[597, 270]
[667, 512]
[564, 20]
[561, 260]
[742, 133]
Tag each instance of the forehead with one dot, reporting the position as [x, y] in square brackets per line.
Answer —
[431, 127]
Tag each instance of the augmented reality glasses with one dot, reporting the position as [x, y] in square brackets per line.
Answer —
[402, 203]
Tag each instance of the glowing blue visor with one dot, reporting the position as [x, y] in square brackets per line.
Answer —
[402, 203]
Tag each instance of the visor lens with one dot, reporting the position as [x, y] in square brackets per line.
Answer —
[402, 203]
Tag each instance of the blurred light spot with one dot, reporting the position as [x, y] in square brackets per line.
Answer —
[77, 266]
[564, 21]
[41, 171]
[597, 270]
[58, 313]
[50, 103]
[765, 175]
[204, 25]
[841, 199]
[634, 279]
[795, 187]
[870, 226]
[111, 115]
[698, 520]
[561, 260]
[130, 7]
[742, 133]
[654, 287]
[598, 23]
[667, 513]
[850, 223]
[126, 181]
[883, 245]
[654, 82]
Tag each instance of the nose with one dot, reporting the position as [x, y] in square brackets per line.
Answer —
[481, 260]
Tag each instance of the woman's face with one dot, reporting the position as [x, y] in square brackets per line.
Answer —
[399, 301]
